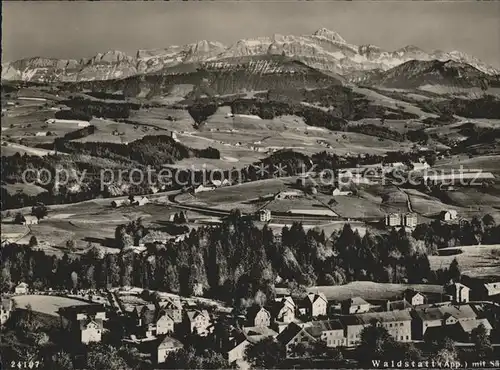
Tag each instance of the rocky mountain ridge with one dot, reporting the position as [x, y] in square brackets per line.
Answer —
[324, 50]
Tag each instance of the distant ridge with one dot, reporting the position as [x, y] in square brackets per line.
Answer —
[324, 50]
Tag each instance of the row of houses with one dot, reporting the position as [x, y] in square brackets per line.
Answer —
[401, 219]
[402, 325]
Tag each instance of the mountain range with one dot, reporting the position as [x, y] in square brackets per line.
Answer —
[324, 50]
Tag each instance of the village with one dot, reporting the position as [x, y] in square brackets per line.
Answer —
[159, 323]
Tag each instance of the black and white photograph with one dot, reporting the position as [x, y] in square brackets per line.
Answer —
[250, 185]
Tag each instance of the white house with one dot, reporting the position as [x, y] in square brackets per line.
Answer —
[458, 292]
[201, 188]
[141, 201]
[21, 288]
[264, 215]
[448, 215]
[167, 346]
[338, 192]
[413, 297]
[6, 309]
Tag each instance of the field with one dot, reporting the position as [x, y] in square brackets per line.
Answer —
[369, 290]
[90, 223]
[487, 163]
[45, 304]
[474, 260]
[28, 189]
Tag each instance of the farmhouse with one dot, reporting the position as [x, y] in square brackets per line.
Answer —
[292, 335]
[288, 195]
[338, 192]
[167, 346]
[413, 297]
[21, 288]
[197, 321]
[354, 305]
[264, 215]
[171, 307]
[282, 312]
[84, 322]
[219, 183]
[331, 332]
[141, 201]
[258, 316]
[459, 293]
[120, 203]
[28, 220]
[420, 166]
[152, 321]
[399, 305]
[200, 188]
[448, 215]
[5, 310]
[315, 304]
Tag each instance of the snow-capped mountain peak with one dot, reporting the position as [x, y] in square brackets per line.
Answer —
[324, 50]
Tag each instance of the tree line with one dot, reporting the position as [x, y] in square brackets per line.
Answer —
[236, 262]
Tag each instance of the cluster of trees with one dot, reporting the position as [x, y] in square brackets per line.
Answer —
[270, 109]
[73, 114]
[437, 234]
[487, 106]
[201, 112]
[342, 101]
[97, 108]
[78, 134]
[155, 151]
[379, 131]
[235, 262]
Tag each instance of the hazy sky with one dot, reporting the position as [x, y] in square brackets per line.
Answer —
[81, 29]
